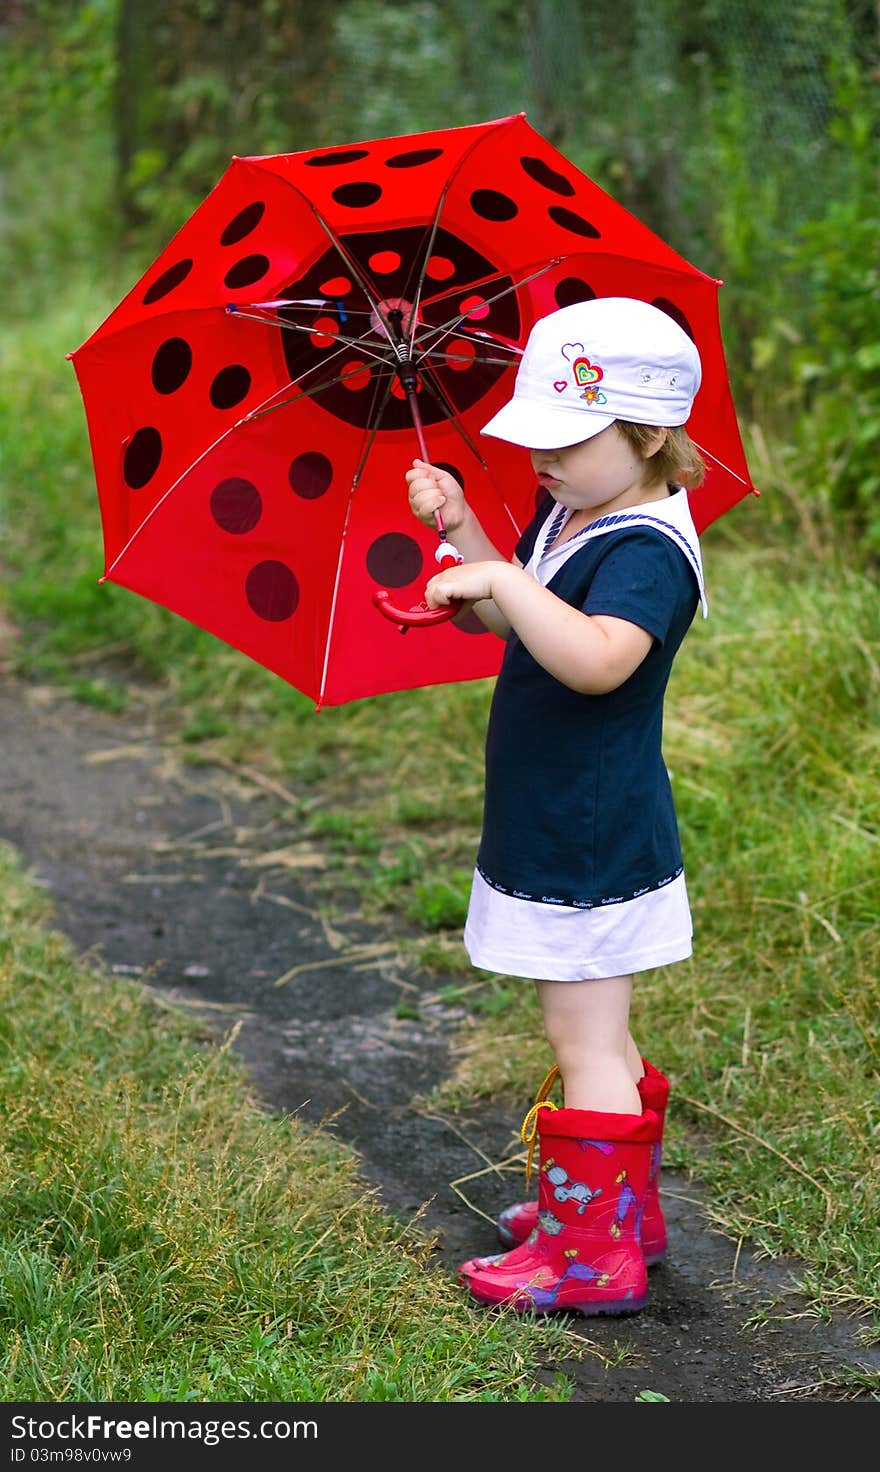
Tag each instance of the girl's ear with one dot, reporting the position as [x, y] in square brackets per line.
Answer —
[656, 442]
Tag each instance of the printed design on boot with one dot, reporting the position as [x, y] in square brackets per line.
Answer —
[572, 1261]
[566, 1189]
[656, 1154]
[626, 1202]
[545, 1297]
[602, 1146]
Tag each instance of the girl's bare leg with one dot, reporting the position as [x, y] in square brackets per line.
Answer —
[587, 1026]
[634, 1059]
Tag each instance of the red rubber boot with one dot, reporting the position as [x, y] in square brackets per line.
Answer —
[518, 1221]
[585, 1254]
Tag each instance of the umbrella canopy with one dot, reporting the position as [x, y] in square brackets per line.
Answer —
[250, 401]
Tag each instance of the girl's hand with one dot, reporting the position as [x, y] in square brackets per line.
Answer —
[432, 489]
[471, 582]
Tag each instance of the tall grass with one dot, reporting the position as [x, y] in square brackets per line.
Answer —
[162, 1238]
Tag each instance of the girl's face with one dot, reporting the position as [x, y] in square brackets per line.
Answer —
[600, 474]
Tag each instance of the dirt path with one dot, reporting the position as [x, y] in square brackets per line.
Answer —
[165, 874]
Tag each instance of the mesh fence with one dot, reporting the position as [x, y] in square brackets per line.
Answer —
[659, 100]
[725, 125]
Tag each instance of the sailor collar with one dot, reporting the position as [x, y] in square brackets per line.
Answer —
[671, 517]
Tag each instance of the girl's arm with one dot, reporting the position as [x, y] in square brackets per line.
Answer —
[432, 489]
[474, 546]
[590, 653]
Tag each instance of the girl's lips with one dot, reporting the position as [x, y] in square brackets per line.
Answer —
[547, 480]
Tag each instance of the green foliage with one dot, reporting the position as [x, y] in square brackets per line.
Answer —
[57, 59]
[202, 80]
[837, 363]
[100, 694]
[441, 904]
[57, 77]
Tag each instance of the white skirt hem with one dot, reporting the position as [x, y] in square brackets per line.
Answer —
[523, 938]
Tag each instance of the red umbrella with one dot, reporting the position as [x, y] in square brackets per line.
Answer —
[254, 401]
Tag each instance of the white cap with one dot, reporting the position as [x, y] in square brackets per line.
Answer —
[588, 364]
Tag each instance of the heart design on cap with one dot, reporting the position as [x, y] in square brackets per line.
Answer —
[586, 372]
[560, 385]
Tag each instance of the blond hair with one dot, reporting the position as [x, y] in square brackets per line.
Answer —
[678, 460]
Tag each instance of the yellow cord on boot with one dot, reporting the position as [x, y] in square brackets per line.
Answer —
[528, 1132]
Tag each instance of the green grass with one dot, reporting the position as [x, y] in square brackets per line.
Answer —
[773, 725]
[161, 1238]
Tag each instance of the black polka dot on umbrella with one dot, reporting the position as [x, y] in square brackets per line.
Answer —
[338, 157]
[230, 386]
[142, 456]
[542, 174]
[167, 282]
[310, 475]
[573, 222]
[572, 289]
[246, 271]
[468, 622]
[413, 159]
[358, 196]
[394, 560]
[236, 505]
[272, 591]
[171, 365]
[490, 204]
[243, 223]
[675, 313]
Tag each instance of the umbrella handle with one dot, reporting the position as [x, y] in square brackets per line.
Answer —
[420, 617]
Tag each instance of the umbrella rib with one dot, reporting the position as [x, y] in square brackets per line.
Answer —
[355, 342]
[165, 494]
[373, 427]
[507, 123]
[367, 285]
[450, 357]
[453, 322]
[472, 333]
[306, 301]
[435, 225]
[436, 389]
[721, 464]
[499, 275]
[306, 393]
[358, 471]
[266, 407]
[495, 338]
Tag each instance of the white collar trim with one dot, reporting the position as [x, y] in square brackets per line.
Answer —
[672, 517]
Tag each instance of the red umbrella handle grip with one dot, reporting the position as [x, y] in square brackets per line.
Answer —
[420, 617]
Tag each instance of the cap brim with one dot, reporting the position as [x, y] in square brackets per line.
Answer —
[543, 426]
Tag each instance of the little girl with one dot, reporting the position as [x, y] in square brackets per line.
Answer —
[579, 881]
